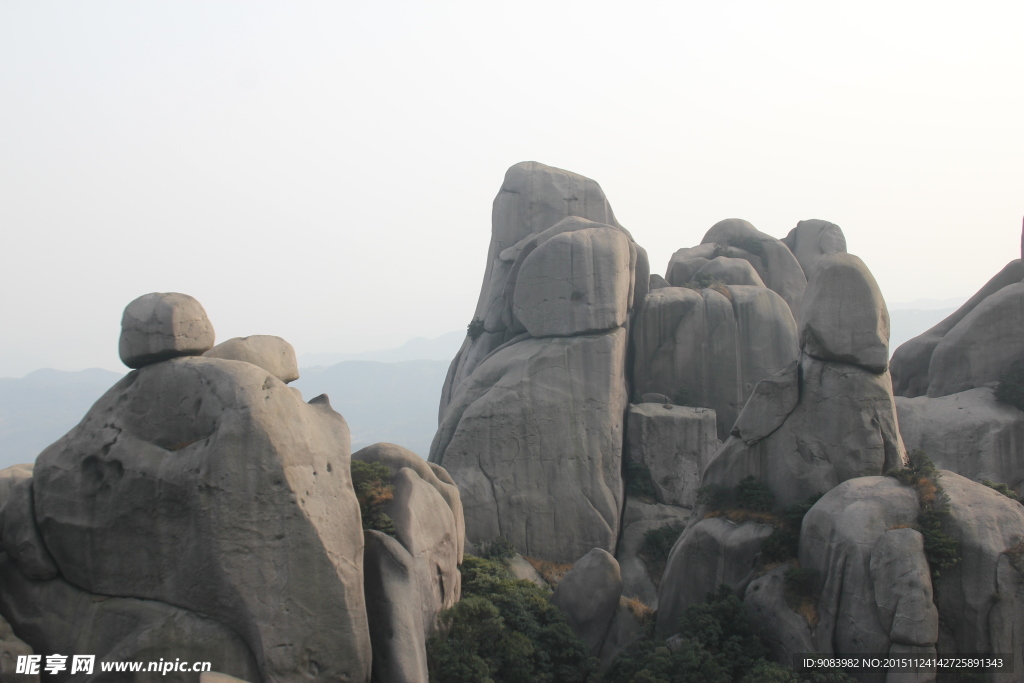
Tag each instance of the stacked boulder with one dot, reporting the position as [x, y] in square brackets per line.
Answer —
[531, 422]
[822, 420]
[945, 379]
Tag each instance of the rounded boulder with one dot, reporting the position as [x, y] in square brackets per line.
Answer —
[163, 325]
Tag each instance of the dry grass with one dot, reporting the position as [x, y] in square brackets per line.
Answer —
[722, 289]
[808, 609]
[640, 610]
[739, 515]
[900, 526]
[552, 572]
[926, 490]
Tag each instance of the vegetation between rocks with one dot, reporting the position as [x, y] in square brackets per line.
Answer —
[656, 546]
[941, 550]
[639, 484]
[499, 549]
[1001, 488]
[372, 484]
[475, 328]
[716, 643]
[1011, 386]
[504, 630]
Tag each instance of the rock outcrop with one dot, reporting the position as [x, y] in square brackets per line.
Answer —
[273, 354]
[589, 595]
[206, 484]
[531, 415]
[710, 347]
[811, 239]
[639, 580]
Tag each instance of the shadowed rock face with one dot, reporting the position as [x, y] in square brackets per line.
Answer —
[531, 415]
[159, 326]
[208, 484]
[812, 239]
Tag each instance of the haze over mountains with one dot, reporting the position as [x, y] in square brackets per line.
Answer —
[385, 395]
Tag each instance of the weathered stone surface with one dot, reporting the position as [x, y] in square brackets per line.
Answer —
[574, 283]
[11, 476]
[521, 569]
[785, 631]
[397, 457]
[393, 606]
[21, 539]
[843, 426]
[533, 199]
[843, 315]
[772, 259]
[843, 538]
[657, 282]
[981, 347]
[589, 595]
[812, 239]
[159, 326]
[55, 617]
[210, 485]
[624, 629]
[970, 433]
[637, 519]
[731, 271]
[712, 345]
[771, 402]
[425, 526]
[711, 552]
[12, 647]
[983, 593]
[675, 443]
[273, 354]
[534, 440]
[910, 362]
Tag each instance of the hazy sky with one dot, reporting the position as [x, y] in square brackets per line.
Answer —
[325, 171]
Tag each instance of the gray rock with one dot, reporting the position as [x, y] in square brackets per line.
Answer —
[843, 426]
[397, 457]
[425, 526]
[534, 440]
[911, 360]
[625, 629]
[589, 595]
[981, 347]
[217, 677]
[970, 433]
[521, 569]
[657, 282]
[775, 263]
[682, 269]
[731, 271]
[812, 239]
[209, 484]
[675, 443]
[785, 631]
[159, 326]
[843, 315]
[55, 617]
[773, 399]
[12, 647]
[273, 354]
[9, 477]
[637, 519]
[712, 552]
[714, 345]
[574, 283]
[842, 539]
[21, 539]
[656, 398]
[393, 606]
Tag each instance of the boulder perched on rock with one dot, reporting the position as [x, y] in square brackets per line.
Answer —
[159, 326]
[843, 317]
[674, 443]
[208, 484]
[273, 354]
[533, 438]
[911, 362]
[56, 617]
[712, 552]
[589, 595]
[731, 271]
[811, 239]
[711, 347]
[970, 433]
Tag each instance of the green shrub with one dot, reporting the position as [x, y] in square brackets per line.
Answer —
[638, 482]
[372, 484]
[475, 328]
[754, 495]
[784, 542]
[1011, 385]
[714, 496]
[504, 630]
[1002, 488]
[656, 546]
[804, 583]
[701, 281]
[499, 549]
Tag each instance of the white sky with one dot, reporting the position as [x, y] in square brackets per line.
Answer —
[325, 171]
